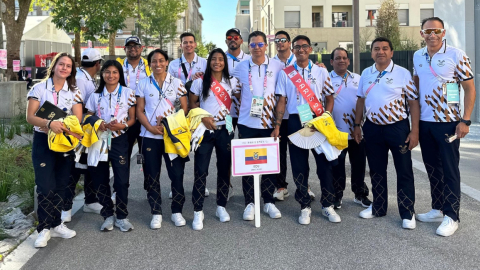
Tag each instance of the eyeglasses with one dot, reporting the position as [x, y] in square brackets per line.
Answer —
[304, 47]
[233, 37]
[136, 46]
[259, 44]
[280, 40]
[437, 31]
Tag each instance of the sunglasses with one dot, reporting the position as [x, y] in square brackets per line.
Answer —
[233, 37]
[304, 47]
[437, 31]
[280, 40]
[259, 44]
[136, 46]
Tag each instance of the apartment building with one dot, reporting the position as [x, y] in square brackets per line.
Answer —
[328, 23]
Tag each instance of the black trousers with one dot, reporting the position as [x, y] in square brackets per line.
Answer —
[234, 122]
[358, 161]
[89, 189]
[221, 141]
[52, 172]
[267, 185]
[119, 159]
[301, 170]
[379, 139]
[153, 150]
[441, 161]
[133, 134]
[282, 176]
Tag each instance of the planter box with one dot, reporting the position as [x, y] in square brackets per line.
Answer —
[14, 99]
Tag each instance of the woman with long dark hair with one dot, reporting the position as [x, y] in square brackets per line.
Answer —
[114, 103]
[52, 169]
[214, 92]
[156, 95]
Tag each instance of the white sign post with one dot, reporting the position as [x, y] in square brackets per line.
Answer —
[255, 157]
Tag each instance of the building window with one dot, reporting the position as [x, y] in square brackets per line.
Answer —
[371, 18]
[402, 17]
[317, 20]
[426, 13]
[319, 47]
[245, 11]
[340, 19]
[292, 19]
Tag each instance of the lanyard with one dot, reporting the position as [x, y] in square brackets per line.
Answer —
[116, 106]
[55, 96]
[344, 80]
[377, 80]
[309, 76]
[250, 78]
[160, 92]
[289, 60]
[180, 70]
[429, 60]
[88, 76]
[128, 73]
[233, 57]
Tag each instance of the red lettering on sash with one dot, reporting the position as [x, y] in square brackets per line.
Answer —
[305, 90]
[221, 93]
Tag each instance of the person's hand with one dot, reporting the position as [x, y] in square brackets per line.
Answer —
[462, 130]
[57, 127]
[276, 133]
[321, 65]
[209, 123]
[102, 126]
[412, 139]
[197, 75]
[115, 126]
[357, 134]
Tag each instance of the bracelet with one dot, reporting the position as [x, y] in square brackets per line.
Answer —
[278, 124]
[48, 123]
[126, 125]
[356, 125]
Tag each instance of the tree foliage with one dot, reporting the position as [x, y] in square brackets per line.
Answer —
[159, 20]
[387, 23]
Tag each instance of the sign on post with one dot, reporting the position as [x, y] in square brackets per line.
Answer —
[255, 157]
[16, 65]
[3, 58]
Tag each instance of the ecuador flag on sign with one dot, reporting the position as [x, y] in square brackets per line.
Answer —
[255, 156]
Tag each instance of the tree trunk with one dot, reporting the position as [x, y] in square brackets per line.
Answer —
[77, 48]
[111, 43]
[14, 30]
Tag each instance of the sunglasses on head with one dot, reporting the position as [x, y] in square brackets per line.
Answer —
[259, 44]
[280, 40]
[437, 31]
[233, 37]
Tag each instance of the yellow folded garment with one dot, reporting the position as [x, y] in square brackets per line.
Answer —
[176, 134]
[194, 119]
[66, 141]
[325, 125]
[90, 129]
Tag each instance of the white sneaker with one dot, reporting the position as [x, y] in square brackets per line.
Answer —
[114, 198]
[367, 213]
[170, 195]
[304, 217]
[197, 223]
[230, 193]
[448, 227]
[42, 238]
[62, 231]
[67, 216]
[281, 194]
[222, 214]
[156, 222]
[249, 212]
[433, 215]
[331, 214]
[123, 224]
[178, 219]
[272, 210]
[312, 195]
[409, 223]
[107, 224]
[92, 208]
[207, 193]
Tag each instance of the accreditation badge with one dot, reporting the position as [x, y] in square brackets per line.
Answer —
[453, 93]
[257, 107]
[304, 113]
[229, 124]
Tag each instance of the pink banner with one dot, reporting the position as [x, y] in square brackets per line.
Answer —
[16, 65]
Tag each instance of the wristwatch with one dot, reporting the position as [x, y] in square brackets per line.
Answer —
[126, 126]
[466, 122]
[356, 125]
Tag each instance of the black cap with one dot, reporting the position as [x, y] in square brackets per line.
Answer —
[133, 39]
[236, 30]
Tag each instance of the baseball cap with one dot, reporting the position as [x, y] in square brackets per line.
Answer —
[91, 55]
[133, 39]
[236, 30]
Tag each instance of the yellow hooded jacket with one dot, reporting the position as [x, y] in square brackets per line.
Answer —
[65, 142]
[325, 125]
[147, 68]
[91, 135]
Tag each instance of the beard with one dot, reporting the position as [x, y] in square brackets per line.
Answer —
[233, 46]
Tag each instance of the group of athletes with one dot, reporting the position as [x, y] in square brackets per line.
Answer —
[383, 109]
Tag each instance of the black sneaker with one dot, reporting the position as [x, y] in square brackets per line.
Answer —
[363, 201]
[337, 204]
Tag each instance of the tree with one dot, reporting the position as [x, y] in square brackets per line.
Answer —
[14, 26]
[387, 23]
[159, 19]
[365, 36]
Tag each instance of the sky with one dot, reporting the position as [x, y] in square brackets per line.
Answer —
[218, 17]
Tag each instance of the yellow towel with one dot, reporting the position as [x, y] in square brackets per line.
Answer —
[66, 141]
[325, 125]
[176, 134]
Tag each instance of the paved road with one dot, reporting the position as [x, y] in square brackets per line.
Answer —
[355, 243]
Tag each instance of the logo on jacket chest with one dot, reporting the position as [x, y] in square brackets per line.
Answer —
[389, 80]
[441, 63]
